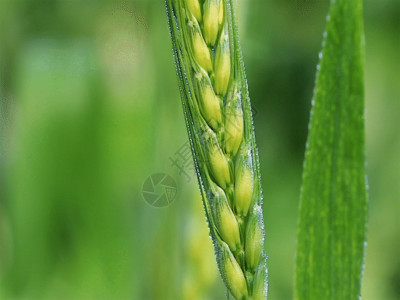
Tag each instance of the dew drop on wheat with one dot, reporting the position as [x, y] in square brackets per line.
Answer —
[258, 212]
[266, 282]
[218, 253]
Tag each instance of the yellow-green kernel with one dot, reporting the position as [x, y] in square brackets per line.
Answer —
[194, 7]
[221, 13]
[200, 50]
[211, 18]
[254, 242]
[209, 102]
[225, 220]
[234, 275]
[219, 166]
[244, 184]
[259, 285]
[222, 66]
[233, 125]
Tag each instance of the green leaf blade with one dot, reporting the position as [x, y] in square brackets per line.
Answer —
[333, 206]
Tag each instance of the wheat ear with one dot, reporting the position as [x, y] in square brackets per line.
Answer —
[219, 120]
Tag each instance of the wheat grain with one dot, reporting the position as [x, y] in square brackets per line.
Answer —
[218, 116]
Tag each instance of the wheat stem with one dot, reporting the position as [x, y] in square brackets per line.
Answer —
[220, 126]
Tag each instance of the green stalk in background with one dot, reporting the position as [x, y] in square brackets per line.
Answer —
[333, 206]
[200, 274]
[218, 117]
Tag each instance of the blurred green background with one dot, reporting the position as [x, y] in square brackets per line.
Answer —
[90, 109]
